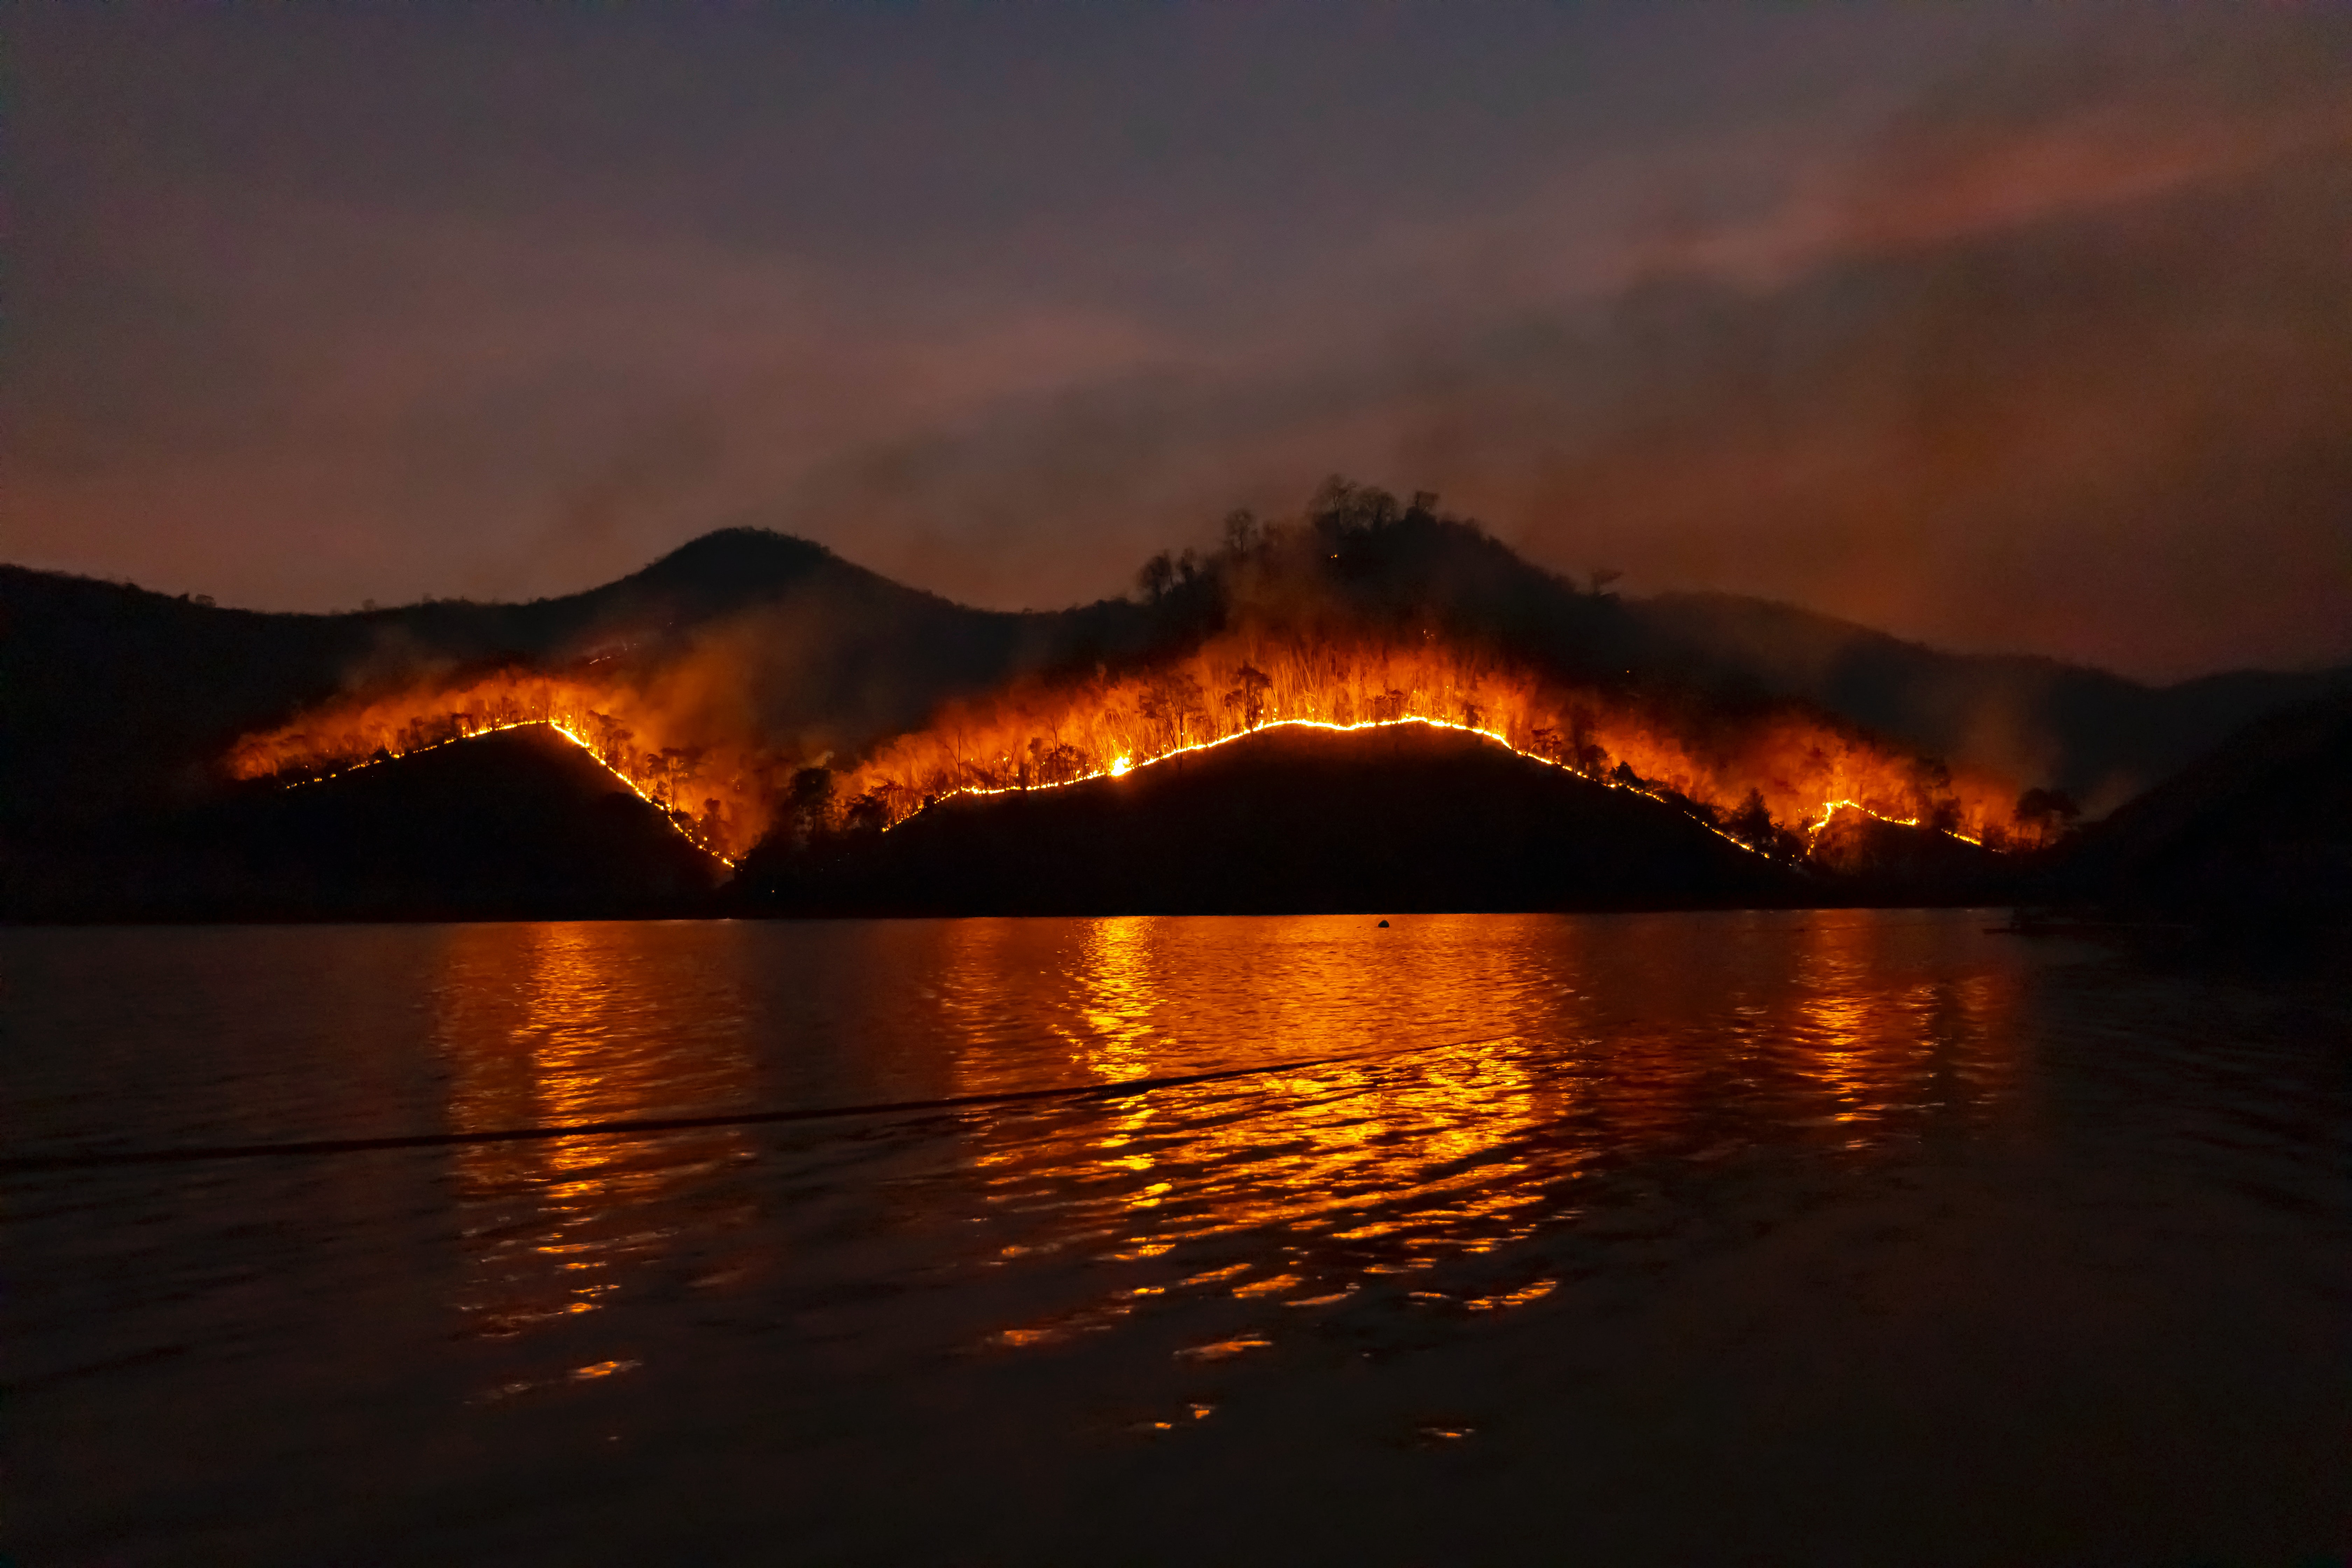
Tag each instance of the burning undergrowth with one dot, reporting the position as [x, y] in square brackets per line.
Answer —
[712, 785]
[1365, 613]
[1360, 613]
[1768, 776]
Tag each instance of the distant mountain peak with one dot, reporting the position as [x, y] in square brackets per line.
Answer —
[728, 554]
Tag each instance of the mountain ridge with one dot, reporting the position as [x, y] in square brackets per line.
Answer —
[2116, 735]
[1283, 820]
[116, 698]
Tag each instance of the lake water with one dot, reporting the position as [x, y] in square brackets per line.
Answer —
[1803, 1237]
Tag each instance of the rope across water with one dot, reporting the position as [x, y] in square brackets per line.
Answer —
[654, 1126]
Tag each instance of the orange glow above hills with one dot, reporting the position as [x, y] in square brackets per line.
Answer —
[1799, 767]
[714, 793]
[1768, 777]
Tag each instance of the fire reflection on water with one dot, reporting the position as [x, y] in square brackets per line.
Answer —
[1876, 1049]
[1797, 1183]
[1433, 1095]
[1121, 994]
[559, 1024]
[1525, 1087]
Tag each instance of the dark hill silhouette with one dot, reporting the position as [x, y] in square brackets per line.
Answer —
[114, 700]
[1870, 860]
[1407, 817]
[521, 823]
[117, 704]
[2097, 736]
[2092, 734]
[2257, 832]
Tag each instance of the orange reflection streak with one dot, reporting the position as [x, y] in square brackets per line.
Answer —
[1396, 1166]
[1878, 1052]
[1357, 1170]
[1119, 997]
[543, 1023]
[1841, 1021]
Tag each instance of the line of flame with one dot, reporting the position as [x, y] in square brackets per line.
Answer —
[1121, 767]
[568, 733]
[1812, 828]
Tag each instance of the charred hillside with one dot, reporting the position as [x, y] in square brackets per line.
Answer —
[114, 700]
[1405, 818]
[520, 825]
[714, 675]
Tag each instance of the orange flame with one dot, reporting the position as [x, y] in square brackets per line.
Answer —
[1765, 776]
[1800, 767]
[716, 795]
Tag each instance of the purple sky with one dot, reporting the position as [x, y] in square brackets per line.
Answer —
[1999, 327]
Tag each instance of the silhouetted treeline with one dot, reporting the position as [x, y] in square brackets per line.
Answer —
[1358, 552]
[1409, 819]
[117, 705]
[1303, 820]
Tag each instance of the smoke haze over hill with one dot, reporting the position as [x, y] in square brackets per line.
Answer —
[2004, 328]
[752, 696]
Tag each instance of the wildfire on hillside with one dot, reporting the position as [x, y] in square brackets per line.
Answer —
[1769, 778]
[713, 791]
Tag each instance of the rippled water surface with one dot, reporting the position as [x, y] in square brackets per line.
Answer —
[1823, 1236]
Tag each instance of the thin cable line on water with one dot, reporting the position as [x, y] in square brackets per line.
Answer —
[653, 1126]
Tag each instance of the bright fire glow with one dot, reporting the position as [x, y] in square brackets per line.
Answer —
[674, 780]
[1122, 767]
[1751, 773]
[1769, 776]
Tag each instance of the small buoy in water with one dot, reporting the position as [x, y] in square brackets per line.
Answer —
[1384, 925]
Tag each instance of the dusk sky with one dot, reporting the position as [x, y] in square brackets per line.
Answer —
[2000, 327]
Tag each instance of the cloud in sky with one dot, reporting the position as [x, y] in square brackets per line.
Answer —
[2002, 328]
